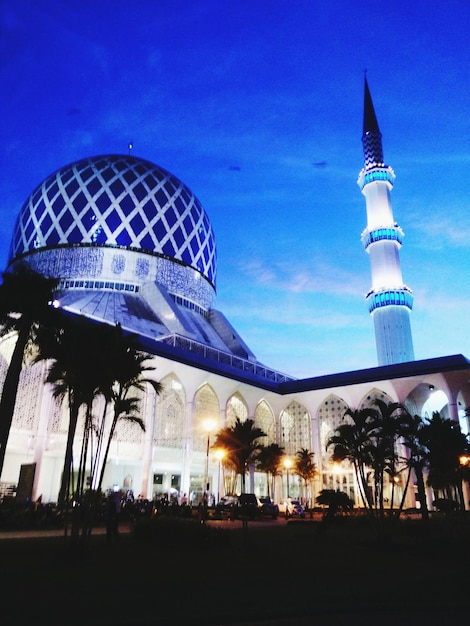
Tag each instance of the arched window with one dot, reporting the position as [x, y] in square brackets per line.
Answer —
[373, 395]
[206, 407]
[330, 415]
[236, 407]
[295, 428]
[264, 419]
[170, 414]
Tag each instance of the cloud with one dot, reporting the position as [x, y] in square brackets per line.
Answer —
[443, 228]
[315, 276]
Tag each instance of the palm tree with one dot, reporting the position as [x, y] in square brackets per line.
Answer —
[418, 456]
[126, 365]
[351, 442]
[388, 463]
[335, 500]
[240, 443]
[269, 460]
[446, 444]
[371, 443]
[76, 374]
[305, 467]
[25, 304]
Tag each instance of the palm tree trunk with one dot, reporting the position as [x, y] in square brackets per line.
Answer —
[65, 484]
[421, 493]
[106, 452]
[9, 391]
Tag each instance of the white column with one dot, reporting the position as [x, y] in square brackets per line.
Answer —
[46, 405]
[187, 449]
[151, 403]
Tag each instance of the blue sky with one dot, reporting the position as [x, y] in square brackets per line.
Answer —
[257, 107]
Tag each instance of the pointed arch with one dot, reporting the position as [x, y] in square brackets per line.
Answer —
[170, 413]
[236, 407]
[295, 431]
[264, 419]
[374, 394]
[330, 415]
[206, 407]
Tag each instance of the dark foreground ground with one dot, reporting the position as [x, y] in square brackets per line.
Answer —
[264, 575]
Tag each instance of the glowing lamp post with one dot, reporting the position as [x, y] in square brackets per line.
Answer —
[287, 464]
[209, 425]
[219, 455]
[464, 461]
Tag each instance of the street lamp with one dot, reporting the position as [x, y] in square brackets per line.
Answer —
[219, 455]
[287, 465]
[336, 477]
[464, 461]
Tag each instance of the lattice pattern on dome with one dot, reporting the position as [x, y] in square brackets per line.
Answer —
[206, 406]
[294, 423]
[117, 200]
[330, 415]
[236, 408]
[170, 414]
[264, 419]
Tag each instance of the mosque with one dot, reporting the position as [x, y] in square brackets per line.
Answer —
[130, 243]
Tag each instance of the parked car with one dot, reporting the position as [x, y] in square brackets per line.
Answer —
[268, 508]
[224, 507]
[291, 507]
[238, 506]
[248, 506]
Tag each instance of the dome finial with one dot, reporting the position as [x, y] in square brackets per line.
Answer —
[130, 145]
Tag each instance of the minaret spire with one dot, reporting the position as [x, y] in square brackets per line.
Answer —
[371, 135]
[389, 300]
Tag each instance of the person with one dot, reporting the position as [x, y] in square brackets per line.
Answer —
[112, 516]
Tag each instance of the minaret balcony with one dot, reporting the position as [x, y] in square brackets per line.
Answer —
[385, 233]
[377, 173]
[389, 297]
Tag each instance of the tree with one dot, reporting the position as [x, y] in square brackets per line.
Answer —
[269, 460]
[335, 500]
[89, 361]
[305, 467]
[126, 366]
[241, 446]
[418, 456]
[351, 441]
[25, 305]
[371, 442]
[76, 375]
[446, 444]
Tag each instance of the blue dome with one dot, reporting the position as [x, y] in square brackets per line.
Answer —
[117, 201]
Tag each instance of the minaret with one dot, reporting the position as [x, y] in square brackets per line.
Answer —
[389, 300]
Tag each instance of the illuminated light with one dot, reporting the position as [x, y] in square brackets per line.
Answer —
[376, 172]
[388, 297]
[219, 454]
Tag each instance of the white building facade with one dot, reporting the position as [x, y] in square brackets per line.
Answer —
[130, 243]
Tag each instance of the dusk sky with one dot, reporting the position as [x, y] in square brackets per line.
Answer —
[257, 106]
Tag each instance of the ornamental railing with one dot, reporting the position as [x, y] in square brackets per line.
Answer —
[224, 358]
